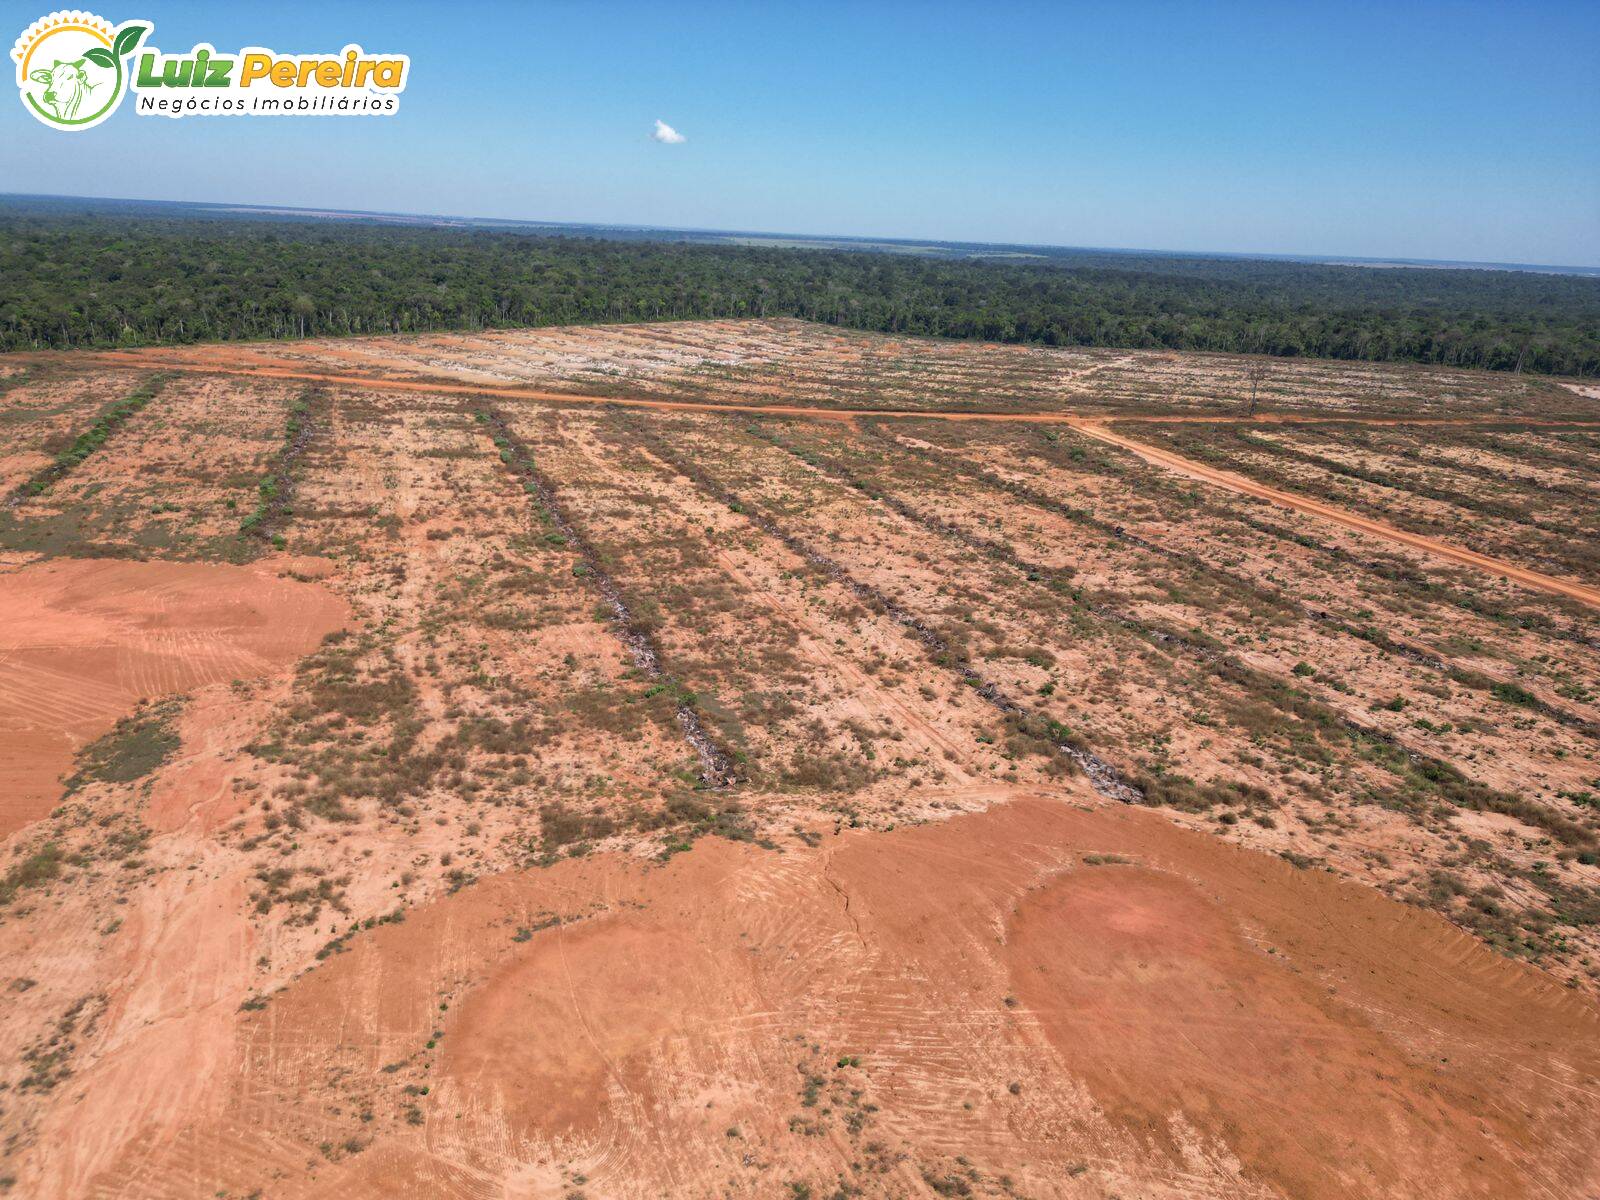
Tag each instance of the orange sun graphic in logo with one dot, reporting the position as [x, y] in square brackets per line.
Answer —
[71, 71]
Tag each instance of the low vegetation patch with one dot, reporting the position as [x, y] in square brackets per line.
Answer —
[91, 439]
[134, 747]
[40, 867]
[266, 519]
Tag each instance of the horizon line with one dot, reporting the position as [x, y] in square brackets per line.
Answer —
[1325, 259]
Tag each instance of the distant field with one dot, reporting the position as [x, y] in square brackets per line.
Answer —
[786, 362]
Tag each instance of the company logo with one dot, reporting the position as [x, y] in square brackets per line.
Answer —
[73, 68]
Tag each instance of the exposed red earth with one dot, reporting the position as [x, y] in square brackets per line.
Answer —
[84, 642]
[631, 762]
[166, 360]
[1194, 1020]
[1433, 546]
[1090, 427]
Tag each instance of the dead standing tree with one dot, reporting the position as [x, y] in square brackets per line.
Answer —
[1256, 373]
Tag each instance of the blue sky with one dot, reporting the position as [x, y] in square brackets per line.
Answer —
[1453, 131]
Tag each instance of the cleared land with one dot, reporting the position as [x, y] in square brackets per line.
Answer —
[785, 362]
[491, 794]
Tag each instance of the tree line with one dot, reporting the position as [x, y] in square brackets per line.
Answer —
[94, 280]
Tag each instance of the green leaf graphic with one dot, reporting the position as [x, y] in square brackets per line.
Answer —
[128, 39]
[100, 56]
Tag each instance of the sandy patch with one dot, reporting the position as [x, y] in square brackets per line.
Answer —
[83, 641]
[993, 996]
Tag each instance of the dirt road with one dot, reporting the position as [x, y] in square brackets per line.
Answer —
[1340, 516]
[146, 359]
[1091, 425]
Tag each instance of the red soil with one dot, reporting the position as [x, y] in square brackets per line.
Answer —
[1047, 997]
[1089, 426]
[1197, 1021]
[227, 361]
[1235, 482]
[84, 641]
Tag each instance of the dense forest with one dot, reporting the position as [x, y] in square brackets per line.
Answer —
[92, 279]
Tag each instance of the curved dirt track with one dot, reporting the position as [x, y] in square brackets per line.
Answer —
[1088, 1002]
[1328, 512]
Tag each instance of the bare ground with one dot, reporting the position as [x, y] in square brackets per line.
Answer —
[1171, 822]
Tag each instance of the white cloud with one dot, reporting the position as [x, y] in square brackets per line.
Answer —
[667, 134]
